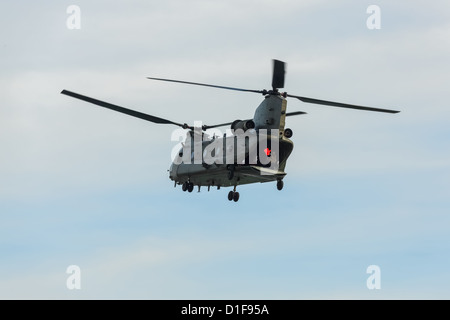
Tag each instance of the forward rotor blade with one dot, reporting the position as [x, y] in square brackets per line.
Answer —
[129, 112]
[229, 123]
[341, 105]
[205, 127]
[279, 71]
[206, 85]
[295, 113]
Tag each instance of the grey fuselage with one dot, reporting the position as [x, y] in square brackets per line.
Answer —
[269, 118]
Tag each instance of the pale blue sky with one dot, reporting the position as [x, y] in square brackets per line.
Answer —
[86, 186]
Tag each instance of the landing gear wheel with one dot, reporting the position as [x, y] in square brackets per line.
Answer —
[280, 184]
[236, 196]
[230, 195]
[184, 186]
[190, 187]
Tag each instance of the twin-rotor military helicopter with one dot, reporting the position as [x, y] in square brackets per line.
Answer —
[262, 160]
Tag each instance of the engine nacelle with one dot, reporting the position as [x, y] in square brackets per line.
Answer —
[288, 133]
[243, 124]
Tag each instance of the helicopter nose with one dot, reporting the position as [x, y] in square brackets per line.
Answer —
[173, 172]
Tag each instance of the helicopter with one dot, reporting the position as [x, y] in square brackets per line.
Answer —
[256, 151]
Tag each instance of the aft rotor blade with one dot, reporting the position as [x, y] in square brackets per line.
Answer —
[114, 107]
[206, 85]
[341, 105]
[279, 71]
